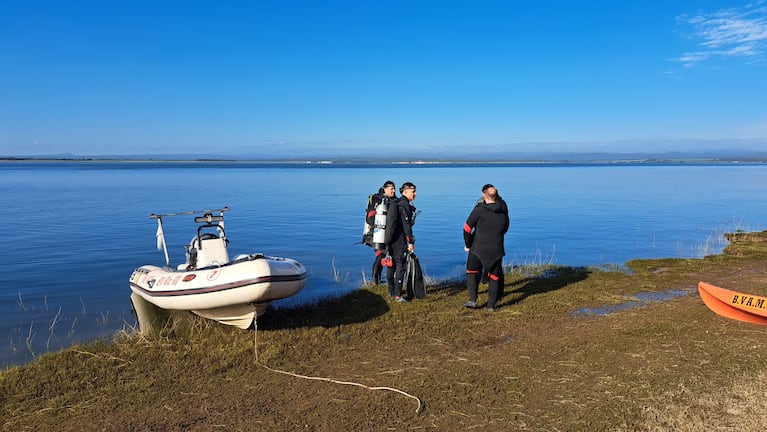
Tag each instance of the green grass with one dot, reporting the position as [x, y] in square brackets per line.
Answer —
[532, 365]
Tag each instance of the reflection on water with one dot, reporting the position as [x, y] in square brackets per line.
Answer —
[635, 301]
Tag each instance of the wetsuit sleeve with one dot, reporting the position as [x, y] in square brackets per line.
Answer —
[506, 213]
[406, 216]
[468, 227]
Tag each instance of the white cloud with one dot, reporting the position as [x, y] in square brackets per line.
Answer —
[727, 33]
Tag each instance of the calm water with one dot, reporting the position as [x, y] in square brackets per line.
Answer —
[75, 231]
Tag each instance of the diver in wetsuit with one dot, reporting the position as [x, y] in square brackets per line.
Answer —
[400, 239]
[385, 195]
[483, 235]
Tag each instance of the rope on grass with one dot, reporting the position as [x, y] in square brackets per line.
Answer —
[255, 347]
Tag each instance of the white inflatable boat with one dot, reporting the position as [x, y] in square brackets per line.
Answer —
[209, 284]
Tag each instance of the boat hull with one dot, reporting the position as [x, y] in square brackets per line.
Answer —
[241, 316]
[733, 304]
[251, 279]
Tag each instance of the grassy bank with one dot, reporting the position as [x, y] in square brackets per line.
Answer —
[534, 364]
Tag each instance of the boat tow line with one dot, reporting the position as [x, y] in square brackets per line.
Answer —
[255, 347]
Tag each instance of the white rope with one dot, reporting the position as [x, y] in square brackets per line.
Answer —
[255, 341]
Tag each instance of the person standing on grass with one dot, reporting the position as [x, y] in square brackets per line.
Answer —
[385, 194]
[399, 238]
[483, 235]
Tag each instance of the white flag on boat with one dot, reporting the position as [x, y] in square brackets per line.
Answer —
[159, 235]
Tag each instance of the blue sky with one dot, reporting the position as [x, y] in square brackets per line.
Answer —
[285, 77]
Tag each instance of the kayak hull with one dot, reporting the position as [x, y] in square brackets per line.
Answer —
[734, 305]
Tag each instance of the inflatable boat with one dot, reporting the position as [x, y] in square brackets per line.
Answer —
[208, 283]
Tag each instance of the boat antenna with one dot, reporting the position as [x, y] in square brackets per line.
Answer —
[220, 228]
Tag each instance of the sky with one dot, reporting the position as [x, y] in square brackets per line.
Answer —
[288, 77]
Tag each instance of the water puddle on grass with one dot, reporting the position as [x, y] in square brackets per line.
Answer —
[636, 301]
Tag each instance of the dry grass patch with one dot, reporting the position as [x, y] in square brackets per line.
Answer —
[533, 365]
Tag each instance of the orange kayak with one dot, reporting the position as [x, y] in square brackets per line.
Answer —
[732, 304]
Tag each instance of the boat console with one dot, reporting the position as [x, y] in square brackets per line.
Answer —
[207, 248]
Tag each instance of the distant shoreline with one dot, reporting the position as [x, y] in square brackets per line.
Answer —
[416, 162]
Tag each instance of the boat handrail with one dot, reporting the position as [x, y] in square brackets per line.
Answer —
[202, 236]
[191, 212]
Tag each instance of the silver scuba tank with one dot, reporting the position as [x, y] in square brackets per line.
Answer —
[379, 225]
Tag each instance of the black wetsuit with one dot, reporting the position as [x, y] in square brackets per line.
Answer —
[483, 233]
[399, 234]
[378, 267]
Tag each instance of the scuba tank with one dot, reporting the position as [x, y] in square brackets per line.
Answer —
[379, 225]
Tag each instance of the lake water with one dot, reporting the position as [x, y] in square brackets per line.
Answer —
[75, 231]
